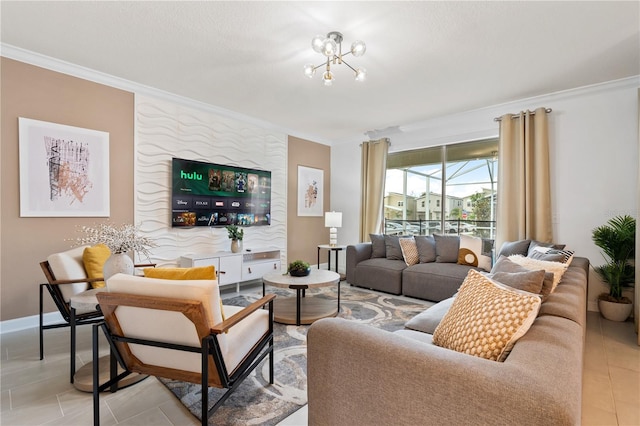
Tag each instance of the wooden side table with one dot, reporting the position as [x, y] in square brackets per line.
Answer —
[330, 248]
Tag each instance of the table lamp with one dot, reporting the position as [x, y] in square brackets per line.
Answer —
[333, 220]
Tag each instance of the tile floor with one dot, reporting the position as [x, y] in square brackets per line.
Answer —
[35, 392]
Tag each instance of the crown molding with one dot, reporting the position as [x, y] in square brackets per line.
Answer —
[64, 67]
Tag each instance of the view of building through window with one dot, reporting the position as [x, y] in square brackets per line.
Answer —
[444, 189]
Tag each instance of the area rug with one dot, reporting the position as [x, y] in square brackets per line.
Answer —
[255, 402]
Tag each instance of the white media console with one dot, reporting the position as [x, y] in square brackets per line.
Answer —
[235, 268]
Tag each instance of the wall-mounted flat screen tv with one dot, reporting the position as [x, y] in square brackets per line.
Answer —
[208, 194]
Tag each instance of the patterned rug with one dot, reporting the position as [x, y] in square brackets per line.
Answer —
[257, 403]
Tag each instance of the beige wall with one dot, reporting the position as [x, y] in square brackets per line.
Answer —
[33, 92]
[305, 233]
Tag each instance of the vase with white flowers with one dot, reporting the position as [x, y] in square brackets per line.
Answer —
[121, 240]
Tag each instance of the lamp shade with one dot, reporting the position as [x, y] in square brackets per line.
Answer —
[333, 219]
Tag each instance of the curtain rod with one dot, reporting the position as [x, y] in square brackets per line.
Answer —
[547, 110]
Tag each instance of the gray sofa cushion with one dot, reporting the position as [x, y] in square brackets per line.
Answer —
[428, 320]
[505, 265]
[380, 274]
[392, 246]
[426, 248]
[415, 335]
[378, 247]
[514, 247]
[433, 281]
[447, 248]
[530, 281]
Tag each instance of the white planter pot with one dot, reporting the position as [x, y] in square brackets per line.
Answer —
[615, 311]
[117, 262]
[236, 246]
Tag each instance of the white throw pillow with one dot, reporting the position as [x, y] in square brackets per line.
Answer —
[556, 268]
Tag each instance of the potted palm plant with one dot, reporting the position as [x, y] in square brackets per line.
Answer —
[617, 239]
[235, 235]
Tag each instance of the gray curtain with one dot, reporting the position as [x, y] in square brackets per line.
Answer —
[374, 168]
[524, 194]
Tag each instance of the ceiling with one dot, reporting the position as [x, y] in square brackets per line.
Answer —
[424, 59]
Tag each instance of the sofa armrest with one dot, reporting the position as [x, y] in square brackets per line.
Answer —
[356, 253]
[360, 375]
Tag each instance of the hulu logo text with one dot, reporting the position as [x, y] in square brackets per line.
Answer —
[190, 176]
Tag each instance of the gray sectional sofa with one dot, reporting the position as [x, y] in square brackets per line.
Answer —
[379, 265]
[361, 375]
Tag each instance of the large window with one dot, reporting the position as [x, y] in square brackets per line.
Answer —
[444, 189]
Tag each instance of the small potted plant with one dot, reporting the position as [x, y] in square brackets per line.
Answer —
[617, 239]
[235, 235]
[299, 268]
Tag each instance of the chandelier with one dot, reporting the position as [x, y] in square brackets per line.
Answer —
[331, 47]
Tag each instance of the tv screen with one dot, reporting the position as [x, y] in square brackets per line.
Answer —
[208, 194]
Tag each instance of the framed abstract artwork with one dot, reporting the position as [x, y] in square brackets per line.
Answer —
[310, 191]
[64, 170]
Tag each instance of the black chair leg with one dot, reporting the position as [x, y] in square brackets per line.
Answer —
[271, 361]
[41, 325]
[96, 374]
[205, 382]
[72, 349]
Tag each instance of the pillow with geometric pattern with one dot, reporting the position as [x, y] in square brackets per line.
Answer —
[486, 319]
[409, 251]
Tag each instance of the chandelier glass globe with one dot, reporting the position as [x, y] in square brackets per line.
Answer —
[316, 43]
[327, 77]
[329, 47]
[309, 70]
[358, 48]
[361, 74]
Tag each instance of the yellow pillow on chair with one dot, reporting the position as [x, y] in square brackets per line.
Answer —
[196, 273]
[93, 259]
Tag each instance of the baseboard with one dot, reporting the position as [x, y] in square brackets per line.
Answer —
[33, 321]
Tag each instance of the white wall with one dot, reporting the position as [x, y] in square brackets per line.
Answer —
[594, 160]
[166, 129]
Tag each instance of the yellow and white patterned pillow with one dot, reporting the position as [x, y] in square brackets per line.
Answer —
[409, 251]
[486, 318]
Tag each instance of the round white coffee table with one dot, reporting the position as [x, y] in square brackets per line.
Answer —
[301, 309]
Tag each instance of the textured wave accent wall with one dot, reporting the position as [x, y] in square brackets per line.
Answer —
[165, 130]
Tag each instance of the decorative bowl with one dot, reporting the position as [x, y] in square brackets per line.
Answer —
[300, 272]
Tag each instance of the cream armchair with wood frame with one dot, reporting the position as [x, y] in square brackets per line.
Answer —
[176, 329]
[69, 286]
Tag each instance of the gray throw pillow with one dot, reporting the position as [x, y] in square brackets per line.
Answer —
[426, 245]
[535, 244]
[530, 281]
[378, 248]
[447, 247]
[549, 257]
[505, 265]
[392, 246]
[514, 247]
